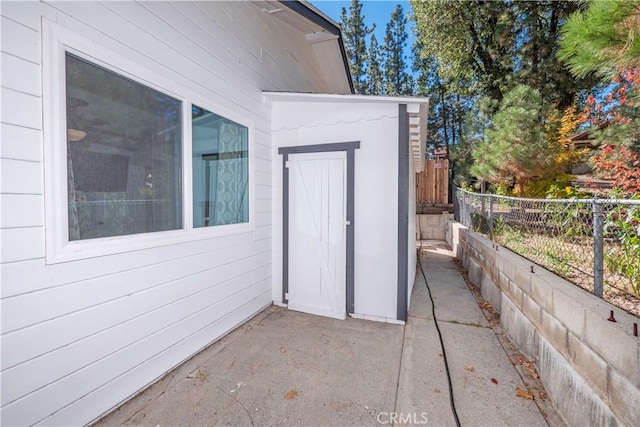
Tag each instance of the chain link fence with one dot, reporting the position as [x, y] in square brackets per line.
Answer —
[594, 243]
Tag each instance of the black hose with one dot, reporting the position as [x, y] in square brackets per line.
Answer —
[444, 352]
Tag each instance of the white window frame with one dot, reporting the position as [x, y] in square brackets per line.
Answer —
[57, 41]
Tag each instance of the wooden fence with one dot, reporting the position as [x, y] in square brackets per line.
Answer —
[432, 184]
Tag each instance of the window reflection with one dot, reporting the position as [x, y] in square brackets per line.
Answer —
[220, 170]
[123, 154]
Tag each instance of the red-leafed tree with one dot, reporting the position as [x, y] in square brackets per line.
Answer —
[605, 40]
[619, 156]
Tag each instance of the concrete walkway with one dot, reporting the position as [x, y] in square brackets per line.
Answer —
[289, 368]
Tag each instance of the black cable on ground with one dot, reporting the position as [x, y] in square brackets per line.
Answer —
[444, 352]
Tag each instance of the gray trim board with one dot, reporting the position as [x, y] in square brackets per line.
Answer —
[351, 230]
[403, 212]
[285, 228]
[319, 148]
[350, 148]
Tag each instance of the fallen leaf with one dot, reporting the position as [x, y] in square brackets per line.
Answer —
[524, 394]
[532, 369]
[291, 394]
[437, 390]
[493, 380]
[469, 368]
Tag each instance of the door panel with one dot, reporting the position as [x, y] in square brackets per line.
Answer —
[317, 244]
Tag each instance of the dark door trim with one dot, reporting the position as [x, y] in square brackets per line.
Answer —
[403, 212]
[350, 148]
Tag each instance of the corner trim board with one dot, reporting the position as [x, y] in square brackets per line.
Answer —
[403, 212]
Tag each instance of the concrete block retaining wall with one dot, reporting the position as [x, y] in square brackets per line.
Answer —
[433, 226]
[589, 365]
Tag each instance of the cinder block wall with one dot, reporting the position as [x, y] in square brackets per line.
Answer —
[589, 365]
[433, 226]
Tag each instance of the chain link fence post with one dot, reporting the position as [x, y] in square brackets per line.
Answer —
[483, 209]
[598, 253]
[490, 218]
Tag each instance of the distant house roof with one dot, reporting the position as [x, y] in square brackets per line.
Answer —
[323, 34]
[584, 138]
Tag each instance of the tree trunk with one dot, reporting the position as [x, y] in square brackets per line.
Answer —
[520, 183]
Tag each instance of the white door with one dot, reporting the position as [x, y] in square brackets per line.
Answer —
[317, 238]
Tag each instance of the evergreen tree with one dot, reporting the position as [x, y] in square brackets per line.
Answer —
[354, 33]
[397, 80]
[604, 41]
[447, 107]
[515, 147]
[497, 44]
[475, 126]
[374, 75]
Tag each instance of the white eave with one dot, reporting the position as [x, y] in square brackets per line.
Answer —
[321, 33]
[417, 110]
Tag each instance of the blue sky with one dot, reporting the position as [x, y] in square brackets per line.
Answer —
[375, 11]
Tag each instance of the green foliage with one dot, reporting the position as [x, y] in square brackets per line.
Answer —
[542, 187]
[473, 132]
[568, 221]
[374, 78]
[397, 80]
[559, 261]
[602, 40]
[354, 33]
[623, 224]
[515, 146]
[490, 46]
[560, 188]
[469, 42]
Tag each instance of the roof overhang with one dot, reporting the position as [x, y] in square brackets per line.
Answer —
[417, 110]
[322, 34]
[418, 132]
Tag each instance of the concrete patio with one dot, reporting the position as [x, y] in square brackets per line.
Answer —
[289, 368]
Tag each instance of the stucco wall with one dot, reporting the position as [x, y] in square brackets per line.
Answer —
[589, 365]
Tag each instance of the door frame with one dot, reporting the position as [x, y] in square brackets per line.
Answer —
[350, 148]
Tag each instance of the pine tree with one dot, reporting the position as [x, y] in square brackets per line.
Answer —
[397, 80]
[496, 44]
[516, 147]
[374, 75]
[447, 107]
[354, 33]
[604, 41]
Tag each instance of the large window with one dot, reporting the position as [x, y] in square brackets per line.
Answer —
[124, 162]
[220, 170]
[136, 156]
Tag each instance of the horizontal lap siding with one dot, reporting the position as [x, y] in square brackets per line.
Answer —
[80, 337]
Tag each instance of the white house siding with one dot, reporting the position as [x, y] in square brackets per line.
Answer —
[376, 189]
[80, 337]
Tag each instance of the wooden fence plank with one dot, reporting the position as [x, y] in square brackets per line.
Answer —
[433, 183]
